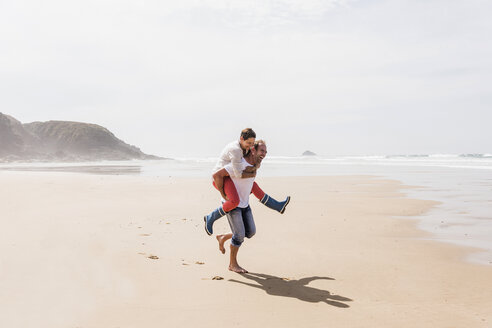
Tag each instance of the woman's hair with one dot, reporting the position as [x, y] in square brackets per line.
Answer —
[248, 133]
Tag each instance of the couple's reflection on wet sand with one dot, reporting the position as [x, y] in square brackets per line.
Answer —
[299, 289]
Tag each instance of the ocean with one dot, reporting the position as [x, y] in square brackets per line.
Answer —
[462, 183]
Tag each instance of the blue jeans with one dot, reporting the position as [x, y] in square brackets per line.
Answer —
[242, 224]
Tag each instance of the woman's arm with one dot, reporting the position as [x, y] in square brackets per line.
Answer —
[236, 157]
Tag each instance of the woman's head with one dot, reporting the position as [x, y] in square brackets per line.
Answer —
[247, 139]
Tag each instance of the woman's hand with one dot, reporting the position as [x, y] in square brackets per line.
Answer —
[253, 151]
[249, 172]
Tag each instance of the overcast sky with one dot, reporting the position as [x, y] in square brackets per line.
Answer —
[182, 78]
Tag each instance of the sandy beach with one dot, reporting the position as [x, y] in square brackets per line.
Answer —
[93, 251]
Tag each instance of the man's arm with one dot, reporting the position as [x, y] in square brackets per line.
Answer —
[219, 181]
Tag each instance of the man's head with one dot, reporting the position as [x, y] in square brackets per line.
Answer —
[247, 138]
[260, 151]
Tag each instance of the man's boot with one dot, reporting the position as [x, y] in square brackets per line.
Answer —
[275, 205]
[211, 218]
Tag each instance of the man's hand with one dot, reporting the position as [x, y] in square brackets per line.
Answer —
[219, 181]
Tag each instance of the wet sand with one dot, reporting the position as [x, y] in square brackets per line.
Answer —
[130, 251]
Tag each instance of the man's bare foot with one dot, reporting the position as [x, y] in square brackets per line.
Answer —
[221, 239]
[237, 268]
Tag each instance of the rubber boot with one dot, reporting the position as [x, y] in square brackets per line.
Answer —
[211, 218]
[275, 205]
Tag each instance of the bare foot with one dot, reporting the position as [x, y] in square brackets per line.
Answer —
[237, 268]
[222, 239]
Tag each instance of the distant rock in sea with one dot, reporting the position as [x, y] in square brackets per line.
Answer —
[62, 141]
[309, 153]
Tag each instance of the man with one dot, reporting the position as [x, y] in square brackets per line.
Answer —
[241, 218]
[233, 154]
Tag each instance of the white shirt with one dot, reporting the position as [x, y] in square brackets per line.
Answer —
[231, 154]
[243, 186]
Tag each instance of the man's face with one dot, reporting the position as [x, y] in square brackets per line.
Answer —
[261, 153]
[247, 144]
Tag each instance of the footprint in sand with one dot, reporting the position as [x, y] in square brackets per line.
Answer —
[214, 278]
[145, 234]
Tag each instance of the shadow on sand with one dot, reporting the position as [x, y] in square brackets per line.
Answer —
[294, 288]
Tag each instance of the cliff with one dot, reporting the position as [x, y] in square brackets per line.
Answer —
[62, 141]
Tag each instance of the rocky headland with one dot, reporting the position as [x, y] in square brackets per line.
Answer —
[62, 141]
